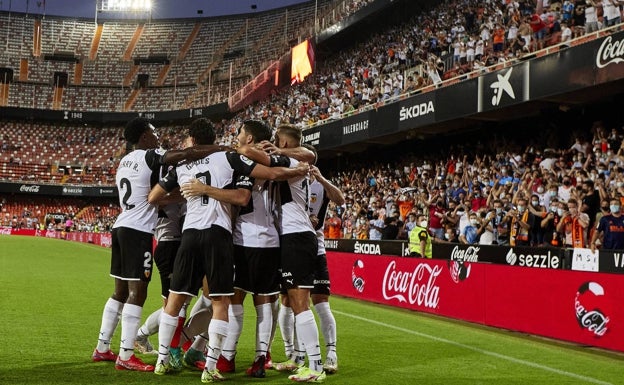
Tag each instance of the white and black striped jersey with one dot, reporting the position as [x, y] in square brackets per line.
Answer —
[136, 174]
[255, 224]
[318, 206]
[221, 170]
[294, 196]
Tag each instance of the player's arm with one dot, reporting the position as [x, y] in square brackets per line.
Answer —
[300, 153]
[166, 185]
[192, 153]
[333, 193]
[238, 196]
[256, 154]
[280, 173]
[173, 197]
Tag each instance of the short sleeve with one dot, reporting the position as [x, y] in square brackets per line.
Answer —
[155, 158]
[170, 181]
[240, 163]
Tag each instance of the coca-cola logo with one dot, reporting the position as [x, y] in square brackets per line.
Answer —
[30, 188]
[610, 52]
[5, 231]
[413, 287]
[469, 254]
[106, 241]
[592, 309]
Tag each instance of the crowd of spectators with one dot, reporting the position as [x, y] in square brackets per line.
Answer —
[495, 192]
[472, 34]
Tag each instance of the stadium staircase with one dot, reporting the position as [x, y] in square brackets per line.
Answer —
[132, 99]
[127, 82]
[57, 101]
[218, 58]
[259, 47]
[23, 75]
[95, 42]
[133, 42]
[4, 94]
[189, 40]
[37, 38]
[78, 73]
[164, 71]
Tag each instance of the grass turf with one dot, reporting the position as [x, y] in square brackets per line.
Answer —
[52, 293]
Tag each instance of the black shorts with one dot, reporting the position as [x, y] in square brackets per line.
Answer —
[209, 253]
[321, 276]
[164, 255]
[257, 270]
[131, 257]
[298, 256]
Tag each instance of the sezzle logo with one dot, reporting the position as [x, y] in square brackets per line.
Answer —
[591, 308]
[416, 111]
[471, 254]
[419, 286]
[543, 261]
[367, 248]
[29, 188]
[609, 53]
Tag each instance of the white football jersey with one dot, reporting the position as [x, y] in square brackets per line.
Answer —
[294, 196]
[136, 174]
[255, 224]
[318, 207]
[221, 170]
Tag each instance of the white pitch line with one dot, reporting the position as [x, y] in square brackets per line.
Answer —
[482, 351]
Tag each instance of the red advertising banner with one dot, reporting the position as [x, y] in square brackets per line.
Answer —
[575, 306]
[100, 239]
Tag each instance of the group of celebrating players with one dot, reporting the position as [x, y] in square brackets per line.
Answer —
[228, 222]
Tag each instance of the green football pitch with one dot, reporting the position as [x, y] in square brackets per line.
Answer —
[52, 293]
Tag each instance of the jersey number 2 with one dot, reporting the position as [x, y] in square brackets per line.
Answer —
[125, 184]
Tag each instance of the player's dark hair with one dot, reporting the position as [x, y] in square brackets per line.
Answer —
[134, 129]
[202, 131]
[311, 148]
[258, 130]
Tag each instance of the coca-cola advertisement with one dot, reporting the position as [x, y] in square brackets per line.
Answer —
[575, 306]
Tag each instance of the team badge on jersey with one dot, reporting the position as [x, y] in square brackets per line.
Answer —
[246, 160]
[313, 198]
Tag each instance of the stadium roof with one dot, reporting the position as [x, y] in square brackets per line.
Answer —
[161, 9]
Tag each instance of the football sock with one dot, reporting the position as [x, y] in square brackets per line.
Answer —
[130, 321]
[307, 333]
[235, 327]
[150, 327]
[287, 327]
[217, 331]
[264, 322]
[168, 325]
[328, 327]
[110, 319]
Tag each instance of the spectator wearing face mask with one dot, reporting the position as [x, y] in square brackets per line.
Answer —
[549, 225]
[573, 226]
[565, 191]
[420, 240]
[610, 228]
[470, 234]
[520, 225]
[538, 213]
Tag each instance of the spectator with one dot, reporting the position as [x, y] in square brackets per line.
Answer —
[610, 228]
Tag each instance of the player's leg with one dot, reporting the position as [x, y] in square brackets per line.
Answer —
[112, 308]
[226, 362]
[320, 300]
[219, 271]
[137, 261]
